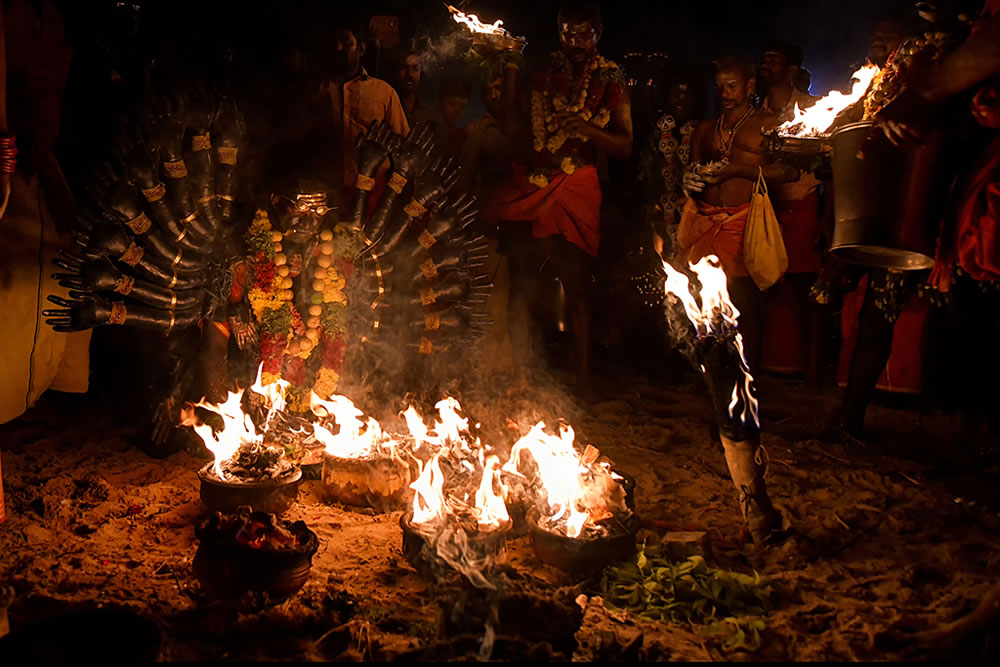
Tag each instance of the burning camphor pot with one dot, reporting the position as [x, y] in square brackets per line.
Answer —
[581, 515]
[807, 133]
[246, 470]
[362, 465]
[489, 35]
[459, 515]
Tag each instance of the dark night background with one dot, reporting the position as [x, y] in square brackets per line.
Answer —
[834, 34]
[119, 46]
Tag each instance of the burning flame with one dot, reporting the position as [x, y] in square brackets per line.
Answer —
[490, 506]
[428, 499]
[472, 22]
[715, 316]
[818, 118]
[451, 437]
[575, 490]
[273, 393]
[356, 439]
[716, 311]
[238, 429]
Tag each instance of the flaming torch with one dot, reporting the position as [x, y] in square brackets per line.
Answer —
[709, 337]
[486, 34]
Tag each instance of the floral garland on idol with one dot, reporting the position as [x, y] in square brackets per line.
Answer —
[592, 95]
[303, 344]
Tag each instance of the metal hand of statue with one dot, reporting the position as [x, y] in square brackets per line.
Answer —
[83, 310]
[199, 106]
[413, 152]
[437, 179]
[450, 215]
[100, 275]
[168, 132]
[374, 147]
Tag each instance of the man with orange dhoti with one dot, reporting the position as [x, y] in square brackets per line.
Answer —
[573, 108]
[970, 234]
[727, 154]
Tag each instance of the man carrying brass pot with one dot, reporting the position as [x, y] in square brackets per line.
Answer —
[967, 262]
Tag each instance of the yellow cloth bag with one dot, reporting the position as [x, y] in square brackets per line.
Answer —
[763, 246]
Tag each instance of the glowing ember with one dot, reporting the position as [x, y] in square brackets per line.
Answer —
[716, 316]
[818, 118]
[472, 22]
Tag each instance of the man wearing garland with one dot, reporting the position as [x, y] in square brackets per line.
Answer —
[726, 156]
[571, 109]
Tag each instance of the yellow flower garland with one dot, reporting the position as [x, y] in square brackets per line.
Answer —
[544, 106]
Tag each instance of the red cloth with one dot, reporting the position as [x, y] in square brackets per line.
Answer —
[569, 205]
[979, 220]
[974, 240]
[783, 330]
[904, 371]
[799, 219]
[714, 230]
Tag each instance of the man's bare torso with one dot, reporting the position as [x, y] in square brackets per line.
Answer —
[747, 149]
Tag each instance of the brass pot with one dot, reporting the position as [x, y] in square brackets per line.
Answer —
[887, 206]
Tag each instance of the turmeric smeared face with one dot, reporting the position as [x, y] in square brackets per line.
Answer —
[579, 39]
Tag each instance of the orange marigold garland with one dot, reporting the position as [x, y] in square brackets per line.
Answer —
[292, 332]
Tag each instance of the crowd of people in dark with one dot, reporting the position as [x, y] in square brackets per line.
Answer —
[587, 172]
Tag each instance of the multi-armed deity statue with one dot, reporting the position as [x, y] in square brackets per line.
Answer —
[293, 286]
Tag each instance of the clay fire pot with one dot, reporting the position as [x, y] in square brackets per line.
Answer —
[382, 483]
[227, 569]
[492, 542]
[583, 556]
[273, 495]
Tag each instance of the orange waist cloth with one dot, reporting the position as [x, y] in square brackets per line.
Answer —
[799, 219]
[714, 230]
[569, 205]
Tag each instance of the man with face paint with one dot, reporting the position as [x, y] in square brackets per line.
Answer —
[347, 104]
[797, 206]
[572, 109]
[727, 154]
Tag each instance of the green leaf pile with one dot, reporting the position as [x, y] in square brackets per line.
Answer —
[729, 604]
